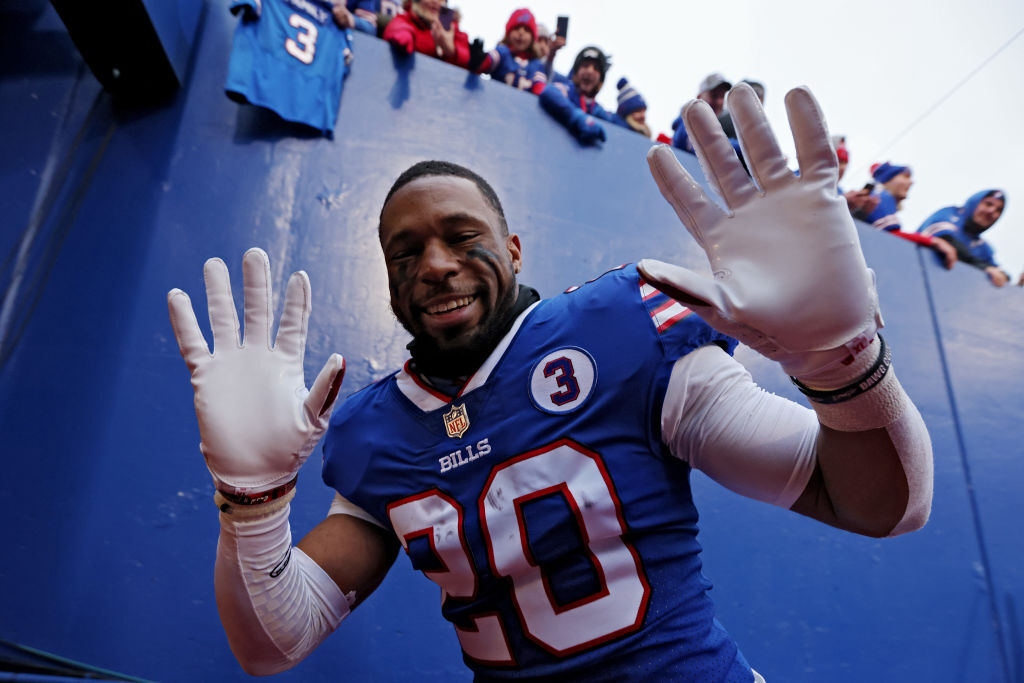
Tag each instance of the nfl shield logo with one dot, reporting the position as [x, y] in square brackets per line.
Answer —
[456, 421]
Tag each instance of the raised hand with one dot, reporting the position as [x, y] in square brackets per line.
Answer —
[585, 128]
[257, 421]
[477, 53]
[789, 276]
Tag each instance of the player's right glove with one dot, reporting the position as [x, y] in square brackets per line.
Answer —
[585, 127]
[257, 421]
[790, 280]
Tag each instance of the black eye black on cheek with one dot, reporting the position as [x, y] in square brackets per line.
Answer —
[487, 256]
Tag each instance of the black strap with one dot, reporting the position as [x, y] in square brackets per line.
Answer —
[871, 378]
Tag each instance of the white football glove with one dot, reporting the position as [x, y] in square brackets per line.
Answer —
[257, 421]
[790, 280]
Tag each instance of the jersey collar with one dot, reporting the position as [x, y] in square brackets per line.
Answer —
[428, 398]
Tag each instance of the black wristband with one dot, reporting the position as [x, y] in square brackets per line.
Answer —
[265, 497]
[875, 374]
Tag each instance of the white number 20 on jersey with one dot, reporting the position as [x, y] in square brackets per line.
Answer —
[303, 48]
[571, 471]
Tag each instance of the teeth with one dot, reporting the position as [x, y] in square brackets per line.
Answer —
[450, 305]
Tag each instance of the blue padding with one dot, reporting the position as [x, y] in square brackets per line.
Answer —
[176, 23]
[978, 329]
[110, 530]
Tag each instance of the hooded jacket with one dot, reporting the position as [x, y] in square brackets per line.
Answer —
[954, 224]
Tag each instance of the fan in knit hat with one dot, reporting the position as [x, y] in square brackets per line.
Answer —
[629, 99]
[595, 55]
[839, 142]
[885, 172]
[632, 107]
[522, 17]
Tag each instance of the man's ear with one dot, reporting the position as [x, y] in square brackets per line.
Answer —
[515, 252]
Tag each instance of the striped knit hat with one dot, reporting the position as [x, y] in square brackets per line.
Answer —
[629, 99]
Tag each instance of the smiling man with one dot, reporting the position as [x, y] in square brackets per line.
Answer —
[572, 103]
[452, 267]
[532, 457]
[896, 181]
[962, 227]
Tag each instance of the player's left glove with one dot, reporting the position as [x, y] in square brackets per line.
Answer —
[790, 280]
[257, 421]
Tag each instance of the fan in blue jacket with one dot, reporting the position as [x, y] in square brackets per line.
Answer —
[896, 181]
[358, 14]
[513, 61]
[572, 103]
[962, 227]
[713, 90]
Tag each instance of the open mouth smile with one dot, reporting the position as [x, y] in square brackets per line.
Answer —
[450, 305]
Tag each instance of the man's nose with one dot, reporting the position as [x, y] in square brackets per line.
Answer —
[438, 262]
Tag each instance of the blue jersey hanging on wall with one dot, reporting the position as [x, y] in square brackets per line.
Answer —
[290, 57]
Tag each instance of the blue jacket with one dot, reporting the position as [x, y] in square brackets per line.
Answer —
[364, 25]
[514, 70]
[560, 99]
[681, 139]
[884, 216]
[952, 221]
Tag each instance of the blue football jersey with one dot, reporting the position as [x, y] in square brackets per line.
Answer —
[290, 57]
[520, 73]
[541, 500]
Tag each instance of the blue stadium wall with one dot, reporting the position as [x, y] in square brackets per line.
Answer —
[109, 530]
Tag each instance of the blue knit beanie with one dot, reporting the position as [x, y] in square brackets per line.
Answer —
[883, 173]
[629, 99]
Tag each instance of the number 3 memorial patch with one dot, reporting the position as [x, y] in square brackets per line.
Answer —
[563, 380]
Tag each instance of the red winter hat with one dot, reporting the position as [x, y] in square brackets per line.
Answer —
[522, 17]
[839, 142]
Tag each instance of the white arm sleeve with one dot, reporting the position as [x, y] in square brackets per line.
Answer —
[763, 446]
[276, 604]
[341, 505]
[752, 442]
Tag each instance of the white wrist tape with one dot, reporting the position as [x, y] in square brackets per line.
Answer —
[886, 406]
[865, 395]
[275, 603]
[880, 406]
[910, 437]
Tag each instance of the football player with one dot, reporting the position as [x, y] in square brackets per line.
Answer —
[532, 457]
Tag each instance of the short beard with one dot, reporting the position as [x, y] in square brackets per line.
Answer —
[461, 361]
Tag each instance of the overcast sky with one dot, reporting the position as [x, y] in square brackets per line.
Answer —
[876, 67]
